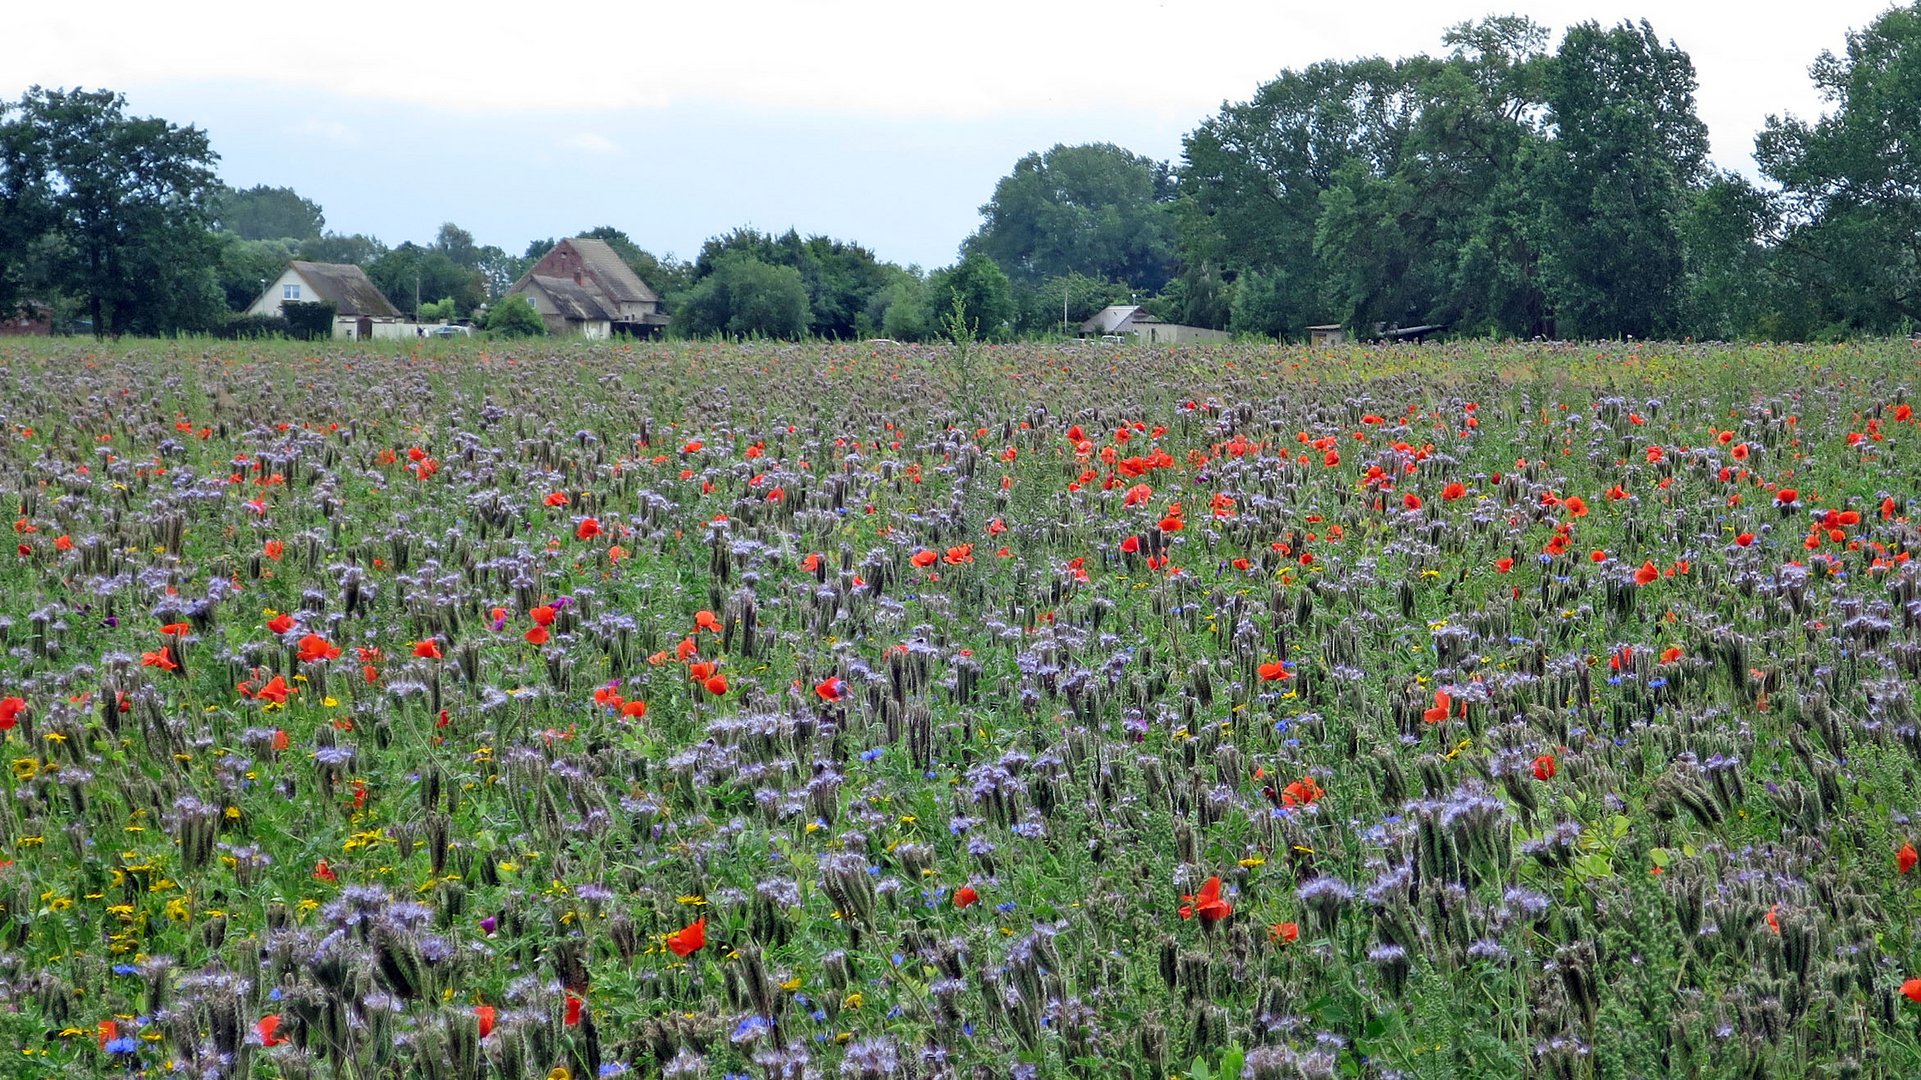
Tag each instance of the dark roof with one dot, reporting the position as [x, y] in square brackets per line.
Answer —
[612, 272]
[347, 288]
[575, 302]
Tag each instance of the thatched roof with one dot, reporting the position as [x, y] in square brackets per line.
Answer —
[574, 302]
[347, 287]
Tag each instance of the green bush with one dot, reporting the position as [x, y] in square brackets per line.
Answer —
[514, 316]
[308, 320]
[255, 326]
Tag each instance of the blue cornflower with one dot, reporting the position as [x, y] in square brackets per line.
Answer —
[874, 754]
[125, 1044]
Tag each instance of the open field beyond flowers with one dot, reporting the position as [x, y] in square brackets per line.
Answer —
[1040, 711]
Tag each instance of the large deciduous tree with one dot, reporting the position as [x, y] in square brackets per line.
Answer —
[1627, 157]
[268, 213]
[1098, 211]
[1851, 180]
[118, 209]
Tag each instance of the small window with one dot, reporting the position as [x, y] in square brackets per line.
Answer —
[290, 292]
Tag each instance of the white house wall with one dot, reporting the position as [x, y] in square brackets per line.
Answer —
[270, 299]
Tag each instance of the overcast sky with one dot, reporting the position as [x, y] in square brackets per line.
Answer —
[886, 123]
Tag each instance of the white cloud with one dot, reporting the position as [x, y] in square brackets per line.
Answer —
[589, 143]
[867, 58]
[332, 131]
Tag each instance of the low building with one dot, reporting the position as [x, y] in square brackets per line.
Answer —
[361, 310]
[1132, 320]
[583, 286]
[1326, 337]
[30, 318]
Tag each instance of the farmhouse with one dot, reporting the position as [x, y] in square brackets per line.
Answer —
[1132, 320]
[583, 287]
[361, 311]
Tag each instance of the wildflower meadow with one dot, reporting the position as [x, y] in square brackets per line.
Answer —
[770, 712]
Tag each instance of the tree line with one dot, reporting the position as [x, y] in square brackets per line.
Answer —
[1498, 188]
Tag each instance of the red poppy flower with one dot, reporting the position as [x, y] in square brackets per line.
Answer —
[1740, 453]
[323, 872]
[1597, 555]
[161, 658]
[1442, 705]
[314, 648]
[537, 635]
[574, 1007]
[832, 688]
[63, 542]
[427, 650]
[811, 563]
[1273, 671]
[1411, 501]
[702, 671]
[965, 896]
[1744, 539]
[1911, 990]
[1207, 903]
[542, 615]
[280, 739]
[923, 558]
[587, 529]
[1647, 574]
[274, 549]
[685, 649]
[1131, 545]
[10, 710]
[1302, 792]
[689, 939]
[1172, 523]
[280, 623]
[269, 1031]
[717, 685]
[275, 691]
[1670, 654]
[1503, 565]
[176, 629]
[959, 553]
[1545, 767]
[633, 710]
[1283, 932]
[557, 498]
[1905, 859]
[1786, 496]
[706, 620]
[485, 1014]
[1576, 506]
[1456, 490]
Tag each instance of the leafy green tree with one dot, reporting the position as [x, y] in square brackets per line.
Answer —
[900, 309]
[515, 316]
[268, 213]
[127, 199]
[986, 296]
[1851, 180]
[746, 297]
[410, 273]
[1260, 306]
[841, 278]
[1252, 176]
[247, 266]
[458, 245]
[499, 270]
[437, 310]
[1732, 289]
[357, 249]
[1095, 210]
[1627, 156]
